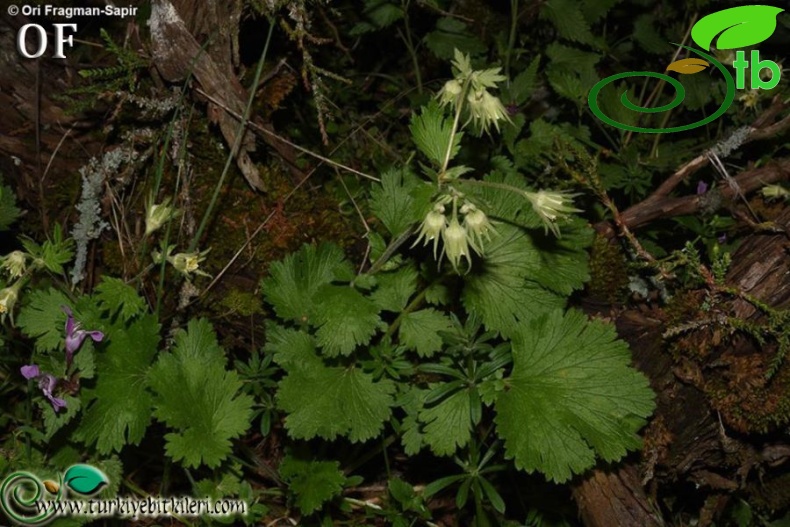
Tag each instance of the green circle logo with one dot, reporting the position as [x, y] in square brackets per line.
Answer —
[680, 94]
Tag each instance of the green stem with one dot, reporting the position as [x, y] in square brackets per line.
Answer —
[410, 44]
[491, 184]
[240, 133]
[457, 118]
[511, 41]
[415, 303]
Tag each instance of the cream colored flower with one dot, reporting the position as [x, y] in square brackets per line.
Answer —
[485, 109]
[158, 215]
[551, 206]
[450, 92]
[8, 298]
[477, 225]
[188, 263]
[432, 227]
[456, 243]
[14, 264]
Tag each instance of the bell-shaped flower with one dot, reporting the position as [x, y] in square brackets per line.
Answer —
[456, 243]
[158, 215]
[8, 297]
[449, 94]
[432, 227]
[14, 264]
[75, 335]
[477, 225]
[46, 382]
[485, 109]
[551, 206]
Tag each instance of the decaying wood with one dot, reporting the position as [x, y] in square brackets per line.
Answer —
[615, 498]
[688, 439]
[176, 27]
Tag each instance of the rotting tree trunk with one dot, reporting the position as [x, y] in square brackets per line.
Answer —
[692, 438]
[27, 95]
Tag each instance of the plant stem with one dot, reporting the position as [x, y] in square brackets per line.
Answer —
[240, 133]
[410, 44]
[457, 118]
[511, 41]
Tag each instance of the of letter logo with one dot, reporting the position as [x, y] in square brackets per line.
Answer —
[736, 27]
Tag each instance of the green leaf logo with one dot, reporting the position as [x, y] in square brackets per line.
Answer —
[84, 479]
[739, 27]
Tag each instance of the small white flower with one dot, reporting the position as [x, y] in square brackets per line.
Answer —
[188, 263]
[450, 92]
[8, 298]
[456, 243]
[551, 206]
[432, 227]
[158, 215]
[14, 264]
[485, 109]
[477, 225]
[184, 263]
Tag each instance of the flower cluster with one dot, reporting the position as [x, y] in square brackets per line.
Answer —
[470, 89]
[458, 237]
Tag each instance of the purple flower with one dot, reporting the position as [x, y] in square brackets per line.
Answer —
[702, 187]
[46, 382]
[75, 335]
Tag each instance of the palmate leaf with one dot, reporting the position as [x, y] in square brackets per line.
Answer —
[291, 348]
[392, 202]
[395, 288]
[431, 130]
[419, 330]
[293, 281]
[43, 319]
[345, 319]
[121, 408]
[197, 397]
[313, 482]
[331, 401]
[113, 294]
[571, 397]
[500, 290]
[448, 425]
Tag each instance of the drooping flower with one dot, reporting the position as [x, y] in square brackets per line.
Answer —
[477, 225]
[46, 382]
[551, 206]
[75, 335]
[485, 109]
[456, 243]
[14, 264]
[450, 92]
[8, 297]
[158, 215]
[184, 263]
[432, 227]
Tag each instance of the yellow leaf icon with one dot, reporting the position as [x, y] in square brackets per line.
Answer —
[687, 66]
[51, 486]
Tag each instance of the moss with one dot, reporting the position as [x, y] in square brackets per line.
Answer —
[608, 271]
